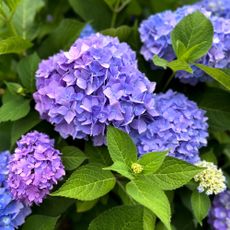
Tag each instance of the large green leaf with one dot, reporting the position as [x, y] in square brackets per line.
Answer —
[26, 69]
[5, 135]
[121, 147]
[23, 125]
[14, 44]
[200, 205]
[145, 192]
[173, 174]
[219, 75]
[39, 222]
[216, 102]
[24, 15]
[121, 168]
[95, 11]
[151, 162]
[14, 110]
[72, 157]
[189, 34]
[97, 154]
[87, 183]
[62, 37]
[123, 218]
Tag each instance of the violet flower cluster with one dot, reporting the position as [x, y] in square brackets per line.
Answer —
[181, 127]
[34, 168]
[155, 35]
[219, 214]
[12, 212]
[94, 84]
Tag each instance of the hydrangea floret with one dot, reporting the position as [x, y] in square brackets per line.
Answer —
[211, 180]
[12, 212]
[34, 168]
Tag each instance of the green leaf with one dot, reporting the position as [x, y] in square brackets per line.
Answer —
[189, 36]
[200, 205]
[62, 37]
[97, 154]
[219, 75]
[13, 87]
[14, 109]
[5, 135]
[39, 222]
[216, 103]
[122, 32]
[160, 62]
[174, 173]
[175, 65]
[89, 182]
[151, 162]
[145, 192]
[84, 206]
[12, 4]
[72, 157]
[23, 18]
[121, 168]
[14, 44]
[23, 125]
[26, 69]
[121, 217]
[121, 147]
[99, 16]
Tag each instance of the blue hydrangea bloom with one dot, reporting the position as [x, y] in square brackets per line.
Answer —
[94, 84]
[181, 127]
[12, 213]
[217, 7]
[87, 31]
[219, 214]
[155, 35]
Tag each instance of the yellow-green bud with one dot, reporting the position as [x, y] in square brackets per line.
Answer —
[21, 91]
[137, 168]
[211, 180]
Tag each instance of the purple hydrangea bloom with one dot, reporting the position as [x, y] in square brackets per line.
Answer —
[156, 40]
[12, 212]
[181, 127]
[34, 168]
[219, 214]
[94, 84]
[87, 31]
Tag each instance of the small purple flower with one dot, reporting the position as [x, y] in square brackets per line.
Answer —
[34, 168]
[180, 127]
[12, 212]
[219, 214]
[94, 84]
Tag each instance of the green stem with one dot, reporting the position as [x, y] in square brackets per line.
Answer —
[168, 81]
[114, 16]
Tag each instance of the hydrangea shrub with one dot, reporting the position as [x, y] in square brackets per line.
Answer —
[98, 129]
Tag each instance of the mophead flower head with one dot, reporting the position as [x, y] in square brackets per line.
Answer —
[94, 84]
[219, 214]
[211, 180]
[12, 212]
[181, 127]
[156, 40]
[34, 168]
